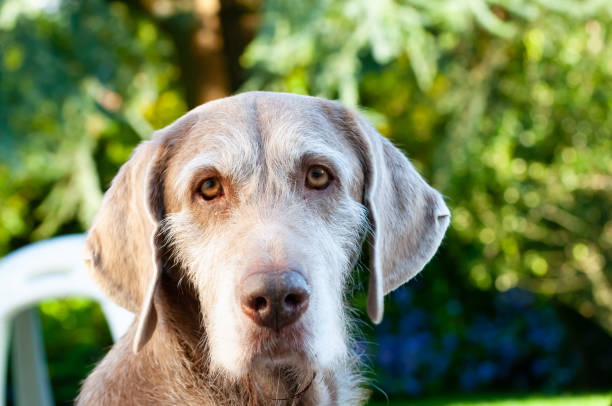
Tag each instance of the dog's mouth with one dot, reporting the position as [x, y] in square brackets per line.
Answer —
[276, 346]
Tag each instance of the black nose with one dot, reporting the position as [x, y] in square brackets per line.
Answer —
[274, 299]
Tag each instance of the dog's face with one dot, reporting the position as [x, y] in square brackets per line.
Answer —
[264, 200]
[246, 203]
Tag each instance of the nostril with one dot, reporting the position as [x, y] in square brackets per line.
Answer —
[294, 299]
[259, 303]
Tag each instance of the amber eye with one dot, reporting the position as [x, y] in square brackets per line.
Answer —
[211, 188]
[317, 178]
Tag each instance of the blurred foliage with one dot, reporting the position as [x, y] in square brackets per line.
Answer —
[439, 337]
[503, 104]
[82, 82]
[76, 337]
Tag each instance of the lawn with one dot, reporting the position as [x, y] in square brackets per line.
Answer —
[510, 400]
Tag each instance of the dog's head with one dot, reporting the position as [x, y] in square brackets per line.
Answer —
[264, 200]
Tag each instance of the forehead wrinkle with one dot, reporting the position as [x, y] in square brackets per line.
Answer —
[289, 141]
[257, 117]
[339, 160]
[186, 173]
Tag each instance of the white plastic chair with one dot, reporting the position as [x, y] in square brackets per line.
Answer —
[44, 270]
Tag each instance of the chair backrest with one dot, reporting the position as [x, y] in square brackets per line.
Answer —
[53, 269]
[45, 270]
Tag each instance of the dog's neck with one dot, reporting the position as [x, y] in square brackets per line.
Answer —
[173, 368]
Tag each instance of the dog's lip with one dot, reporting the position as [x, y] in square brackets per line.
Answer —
[288, 339]
[292, 332]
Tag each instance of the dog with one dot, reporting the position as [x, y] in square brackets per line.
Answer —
[232, 235]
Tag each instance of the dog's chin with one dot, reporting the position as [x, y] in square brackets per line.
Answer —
[265, 348]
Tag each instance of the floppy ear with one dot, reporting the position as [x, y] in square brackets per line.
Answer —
[122, 250]
[408, 218]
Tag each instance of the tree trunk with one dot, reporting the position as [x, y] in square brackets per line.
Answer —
[209, 37]
[212, 78]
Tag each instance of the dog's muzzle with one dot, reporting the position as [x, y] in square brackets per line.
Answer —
[274, 299]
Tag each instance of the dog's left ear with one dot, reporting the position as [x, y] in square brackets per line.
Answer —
[408, 218]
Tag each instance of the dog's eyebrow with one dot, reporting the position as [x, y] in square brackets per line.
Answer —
[214, 159]
[325, 155]
[183, 180]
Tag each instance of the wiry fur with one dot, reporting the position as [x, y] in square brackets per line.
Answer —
[157, 248]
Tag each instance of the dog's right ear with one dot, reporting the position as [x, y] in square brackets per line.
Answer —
[122, 250]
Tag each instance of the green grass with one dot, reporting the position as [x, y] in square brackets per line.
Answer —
[510, 400]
